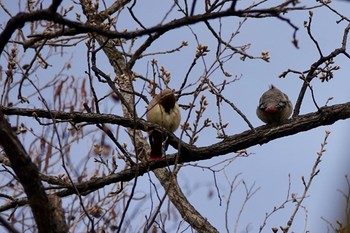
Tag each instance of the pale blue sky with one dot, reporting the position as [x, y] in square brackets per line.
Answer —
[269, 165]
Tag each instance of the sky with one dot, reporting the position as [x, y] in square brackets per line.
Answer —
[270, 167]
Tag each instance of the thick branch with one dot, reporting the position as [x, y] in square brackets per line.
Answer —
[28, 175]
[179, 200]
[326, 116]
[263, 134]
[78, 117]
[20, 19]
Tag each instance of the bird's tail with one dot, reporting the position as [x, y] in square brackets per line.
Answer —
[156, 141]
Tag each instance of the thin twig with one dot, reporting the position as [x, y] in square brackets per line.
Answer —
[307, 184]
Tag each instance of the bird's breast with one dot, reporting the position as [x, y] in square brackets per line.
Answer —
[169, 120]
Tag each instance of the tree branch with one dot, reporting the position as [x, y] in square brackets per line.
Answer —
[311, 72]
[19, 20]
[28, 176]
[185, 208]
[326, 116]
[263, 134]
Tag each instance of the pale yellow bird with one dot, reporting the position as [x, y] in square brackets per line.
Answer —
[164, 111]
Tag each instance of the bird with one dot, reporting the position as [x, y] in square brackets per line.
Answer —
[274, 106]
[164, 111]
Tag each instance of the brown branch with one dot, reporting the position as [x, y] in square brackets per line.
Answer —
[78, 117]
[28, 175]
[185, 208]
[19, 20]
[263, 134]
[117, 5]
[55, 4]
[326, 116]
[10, 228]
[311, 72]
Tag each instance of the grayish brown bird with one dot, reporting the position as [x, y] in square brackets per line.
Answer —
[274, 106]
[164, 111]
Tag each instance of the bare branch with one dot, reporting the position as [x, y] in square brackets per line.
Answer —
[24, 169]
[314, 172]
[20, 19]
[311, 72]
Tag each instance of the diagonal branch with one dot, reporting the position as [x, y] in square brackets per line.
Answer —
[28, 176]
[263, 134]
[311, 72]
[325, 116]
[179, 200]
